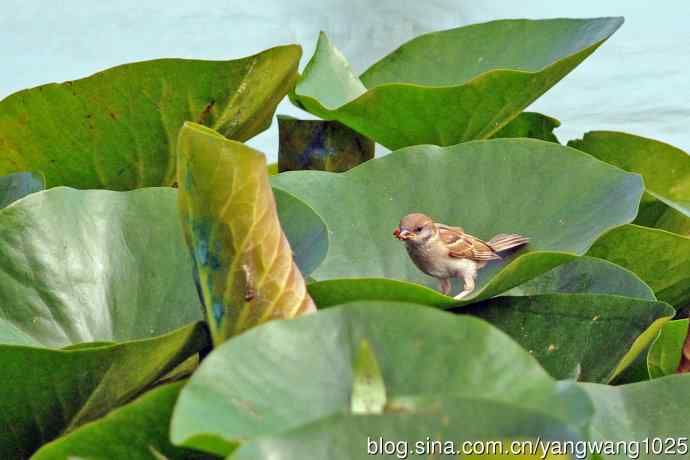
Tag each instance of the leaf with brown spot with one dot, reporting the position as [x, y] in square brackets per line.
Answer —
[242, 260]
[117, 129]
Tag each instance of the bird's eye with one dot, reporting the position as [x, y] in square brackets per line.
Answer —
[419, 229]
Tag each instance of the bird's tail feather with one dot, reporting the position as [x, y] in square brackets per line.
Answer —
[502, 242]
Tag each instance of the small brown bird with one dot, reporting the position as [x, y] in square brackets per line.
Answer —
[446, 252]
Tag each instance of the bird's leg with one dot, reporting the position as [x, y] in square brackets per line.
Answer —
[445, 285]
[469, 285]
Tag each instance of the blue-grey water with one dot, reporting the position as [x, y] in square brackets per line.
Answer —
[638, 82]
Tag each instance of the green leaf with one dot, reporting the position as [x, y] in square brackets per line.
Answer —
[660, 258]
[18, 185]
[530, 124]
[88, 266]
[241, 257]
[500, 186]
[46, 392]
[644, 411]
[666, 169]
[84, 266]
[137, 431]
[320, 145]
[452, 86]
[117, 129]
[591, 337]
[442, 425]
[665, 354]
[301, 371]
[586, 274]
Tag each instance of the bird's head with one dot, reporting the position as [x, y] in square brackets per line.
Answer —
[414, 228]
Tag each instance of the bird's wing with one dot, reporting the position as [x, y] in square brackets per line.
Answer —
[463, 245]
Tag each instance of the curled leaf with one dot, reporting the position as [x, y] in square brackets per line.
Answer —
[242, 259]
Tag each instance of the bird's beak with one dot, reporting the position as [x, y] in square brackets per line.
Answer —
[402, 235]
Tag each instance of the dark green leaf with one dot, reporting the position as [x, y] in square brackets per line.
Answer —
[589, 336]
[500, 186]
[117, 129]
[137, 431]
[452, 86]
[47, 391]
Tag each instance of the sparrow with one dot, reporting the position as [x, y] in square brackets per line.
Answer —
[446, 252]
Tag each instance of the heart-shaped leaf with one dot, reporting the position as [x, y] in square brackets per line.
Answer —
[137, 431]
[452, 86]
[591, 337]
[660, 258]
[649, 418]
[298, 372]
[666, 352]
[666, 169]
[242, 259]
[18, 185]
[117, 129]
[441, 427]
[500, 186]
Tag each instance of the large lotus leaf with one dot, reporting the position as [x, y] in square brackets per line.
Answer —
[46, 392]
[586, 275]
[452, 86]
[660, 258]
[117, 129]
[666, 169]
[488, 187]
[589, 336]
[85, 266]
[666, 351]
[18, 185]
[655, 411]
[297, 372]
[242, 259]
[530, 124]
[137, 431]
[444, 427]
